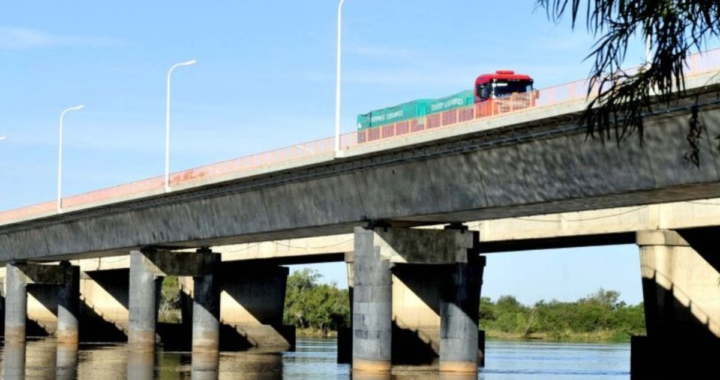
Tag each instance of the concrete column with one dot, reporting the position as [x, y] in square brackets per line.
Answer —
[680, 272]
[372, 306]
[68, 307]
[206, 313]
[344, 338]
[459, 307]
[15, 305]
[144, 284]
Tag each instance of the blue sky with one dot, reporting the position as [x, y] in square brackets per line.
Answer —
[265, 79]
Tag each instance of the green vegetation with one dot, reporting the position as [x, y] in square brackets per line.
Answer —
[598, 317]
[169, 311]
[318, 309]
[315, 308]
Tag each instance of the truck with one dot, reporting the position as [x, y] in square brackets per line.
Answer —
[493, 94]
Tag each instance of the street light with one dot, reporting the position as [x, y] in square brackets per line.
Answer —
[167, 123]
[2, 138]
[337, 90]
[59, 189]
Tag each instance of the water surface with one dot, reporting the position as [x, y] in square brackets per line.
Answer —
[314, 359]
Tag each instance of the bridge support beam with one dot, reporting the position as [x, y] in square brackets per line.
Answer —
[372, 306]
[680, 271]
[64, 276]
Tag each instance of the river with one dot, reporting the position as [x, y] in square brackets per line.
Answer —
[314, 359]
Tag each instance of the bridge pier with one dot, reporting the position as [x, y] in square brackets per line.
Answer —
[251, 305]
[145, 286]
[372, 305]
[680, 272]
[64, 276]
[68, 331]
[147, 269]
[459, 313]
[15, 305]
[206, 313]
[434, 278]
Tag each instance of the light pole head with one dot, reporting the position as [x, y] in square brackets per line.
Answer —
[2, 138]
[76, 108]
[188, 63]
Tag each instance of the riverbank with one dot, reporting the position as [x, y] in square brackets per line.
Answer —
[567, 337]
[605, 336]
[315, 333]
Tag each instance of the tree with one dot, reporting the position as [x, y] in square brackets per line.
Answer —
[606, 298]
[674, 28]
[310, 304]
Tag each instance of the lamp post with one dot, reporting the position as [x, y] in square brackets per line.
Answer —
[337, 89]
[2, 138]
[59, 189]
[167, 122]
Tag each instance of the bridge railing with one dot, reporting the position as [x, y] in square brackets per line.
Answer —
[696, 64]
[23, 212]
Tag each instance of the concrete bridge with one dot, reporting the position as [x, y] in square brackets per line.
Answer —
[531, 162]
[671, 269]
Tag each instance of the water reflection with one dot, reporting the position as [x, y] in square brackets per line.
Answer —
[313, 360]
[359, 375]
[429, 374]
[14, 361]
[251, 367]
[205, 366]
[141, 365]
[67, 363]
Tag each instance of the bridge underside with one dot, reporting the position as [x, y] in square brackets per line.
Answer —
[456, 181]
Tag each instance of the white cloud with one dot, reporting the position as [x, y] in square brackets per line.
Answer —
[24, 38]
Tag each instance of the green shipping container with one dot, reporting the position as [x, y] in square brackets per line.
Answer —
[392, 115]
[459, 100]
[414, 109]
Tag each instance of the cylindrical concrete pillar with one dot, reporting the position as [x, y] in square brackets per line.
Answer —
[15, 305]
[459, 308]
[206, 313]
[372, 306]
[68, 308]
[143, 303]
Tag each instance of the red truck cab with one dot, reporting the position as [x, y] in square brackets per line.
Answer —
[504, 91]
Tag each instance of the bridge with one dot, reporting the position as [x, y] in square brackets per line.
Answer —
[518, 164]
